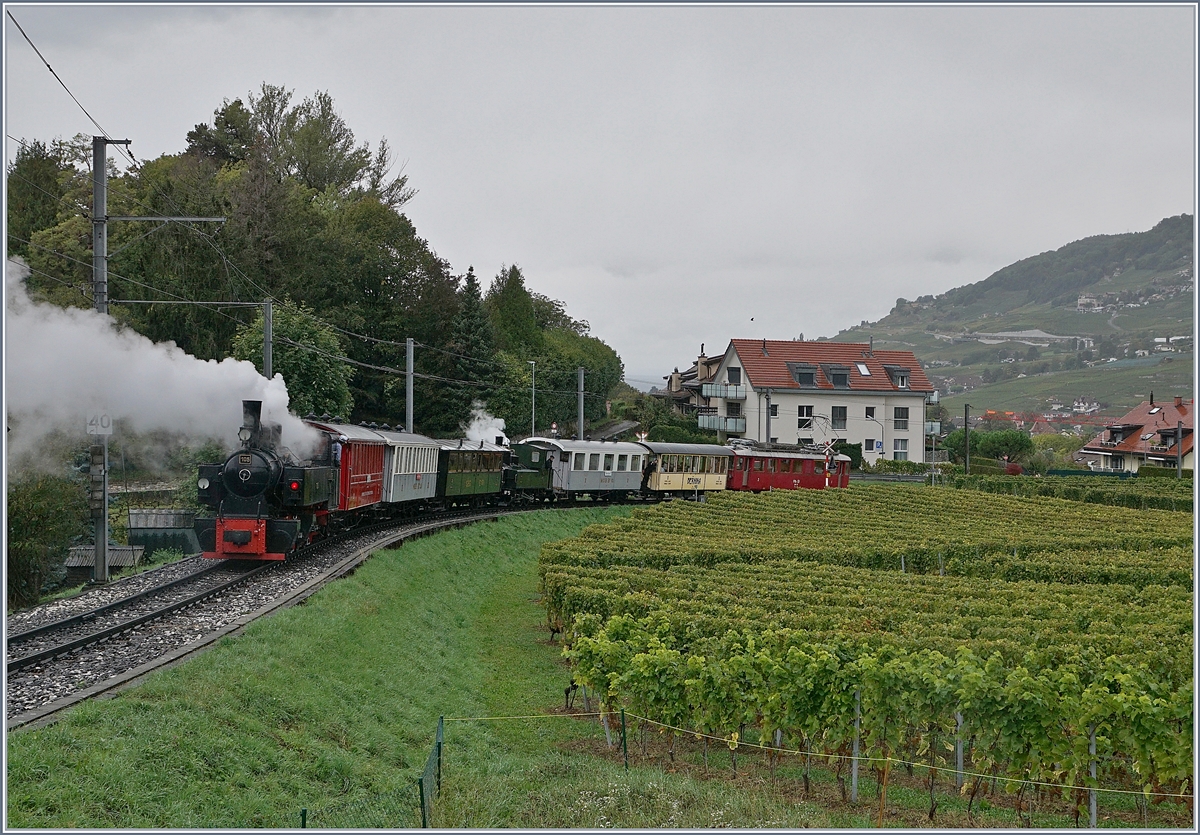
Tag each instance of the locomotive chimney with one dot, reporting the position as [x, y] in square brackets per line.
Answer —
[251, 412]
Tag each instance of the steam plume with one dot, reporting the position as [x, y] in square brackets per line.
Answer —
[62, 364]
[484, 426]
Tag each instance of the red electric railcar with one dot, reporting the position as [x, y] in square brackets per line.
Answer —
[774, 469]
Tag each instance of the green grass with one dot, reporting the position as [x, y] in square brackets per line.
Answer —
[332, 707]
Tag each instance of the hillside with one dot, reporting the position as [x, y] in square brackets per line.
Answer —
[1099, 319]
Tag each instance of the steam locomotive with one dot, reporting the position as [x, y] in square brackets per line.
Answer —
[267, 502]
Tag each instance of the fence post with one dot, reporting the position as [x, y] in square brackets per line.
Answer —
[958, 751]
[304, 819]
[440, 737]
[1092, 772]
[421, 793]
[854, 760]
[624, 744]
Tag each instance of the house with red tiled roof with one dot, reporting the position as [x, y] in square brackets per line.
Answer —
[794, 392]
[1148, 435]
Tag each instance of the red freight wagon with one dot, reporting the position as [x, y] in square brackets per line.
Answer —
[358, 454]
[762, 469]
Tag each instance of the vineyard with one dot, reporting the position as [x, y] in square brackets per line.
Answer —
[1138, 493]
[1050, 638]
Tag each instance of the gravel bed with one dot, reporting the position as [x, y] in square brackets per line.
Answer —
[36, 686]
[97, 596]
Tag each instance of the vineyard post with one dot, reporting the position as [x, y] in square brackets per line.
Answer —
[1092, 773]
[854, 750]
[624, 744]
[958, 750]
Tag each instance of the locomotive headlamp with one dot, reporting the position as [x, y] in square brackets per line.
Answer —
[295, 485]
[202, 484]
[244, 434]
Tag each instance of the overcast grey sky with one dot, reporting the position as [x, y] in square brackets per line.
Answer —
[670, 172]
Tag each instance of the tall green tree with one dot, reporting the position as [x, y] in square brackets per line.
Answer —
[510, 307]
[35, 194]
[304, 351]
[472, 340]
[45, 514]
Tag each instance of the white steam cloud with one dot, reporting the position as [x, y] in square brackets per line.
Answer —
[64, 364]
[483, 426]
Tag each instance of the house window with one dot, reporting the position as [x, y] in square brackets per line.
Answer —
[839, 417]
[735, 376]
[901, 381]
[840, 379]
[900, 449]
[805, 441]
[733, 408]
[805, 418]
[774, 410]
[870, 413]
[1118, 462]
[900, 414]
[775, 440]
[869, 445]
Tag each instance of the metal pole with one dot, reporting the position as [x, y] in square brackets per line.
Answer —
[304, 819]
[967, 435]
[267, 338]
[98, 473]
[579, 428]
[533, 400]
[854, 761]
[958, 751]
[1092, 773]
[768, 436]
[99, 227]
[1179, 449]
[624, 744]
[408, 386]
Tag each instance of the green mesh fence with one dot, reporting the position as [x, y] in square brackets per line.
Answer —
[394, 810]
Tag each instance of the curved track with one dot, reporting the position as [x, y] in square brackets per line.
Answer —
[61, 662]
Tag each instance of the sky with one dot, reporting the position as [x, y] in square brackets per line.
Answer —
[683, 174]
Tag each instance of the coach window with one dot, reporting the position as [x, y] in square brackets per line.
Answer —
[608, 462]
[758, 465]
[819, 467]
[580, 461]
[635, 463]
[622, 463]
[785, 465]
[594, 461]
[771, 465]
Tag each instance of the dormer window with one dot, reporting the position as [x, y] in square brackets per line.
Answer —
[898, 375]
[837, 375]
[804, 374]
[901, 381]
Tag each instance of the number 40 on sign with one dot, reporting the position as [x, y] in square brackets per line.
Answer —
[99, 423]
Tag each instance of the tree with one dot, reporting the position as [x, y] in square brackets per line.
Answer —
[317, 381]
[45, 514]
[1007, 444]
[472, 339]
[35, 192]
[510, 307]
[229, 139]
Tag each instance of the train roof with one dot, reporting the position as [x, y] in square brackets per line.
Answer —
[472, 446]
[410, 438]
[571, 445]
[686, 449]
[352, 432]
[786, 453]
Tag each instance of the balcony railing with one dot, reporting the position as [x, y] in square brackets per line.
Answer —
[723, 390]
[723, 424]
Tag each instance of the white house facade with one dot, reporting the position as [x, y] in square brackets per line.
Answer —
[793, 392]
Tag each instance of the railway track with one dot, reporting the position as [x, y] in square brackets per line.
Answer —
[57, 663]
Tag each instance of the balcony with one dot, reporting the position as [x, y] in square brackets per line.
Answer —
[723, 390]
[722, 424]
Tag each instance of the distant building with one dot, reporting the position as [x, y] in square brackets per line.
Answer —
[795, 392]
[1147, 435]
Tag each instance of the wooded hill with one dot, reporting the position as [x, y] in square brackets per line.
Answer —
[315, 221]
[1133, 288]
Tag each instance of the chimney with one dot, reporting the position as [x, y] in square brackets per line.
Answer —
[871, 347]
[1151, 397]
[1178, 401]
[765, 354]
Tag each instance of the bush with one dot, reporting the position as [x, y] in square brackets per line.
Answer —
[1160, 472]
[45, 515]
